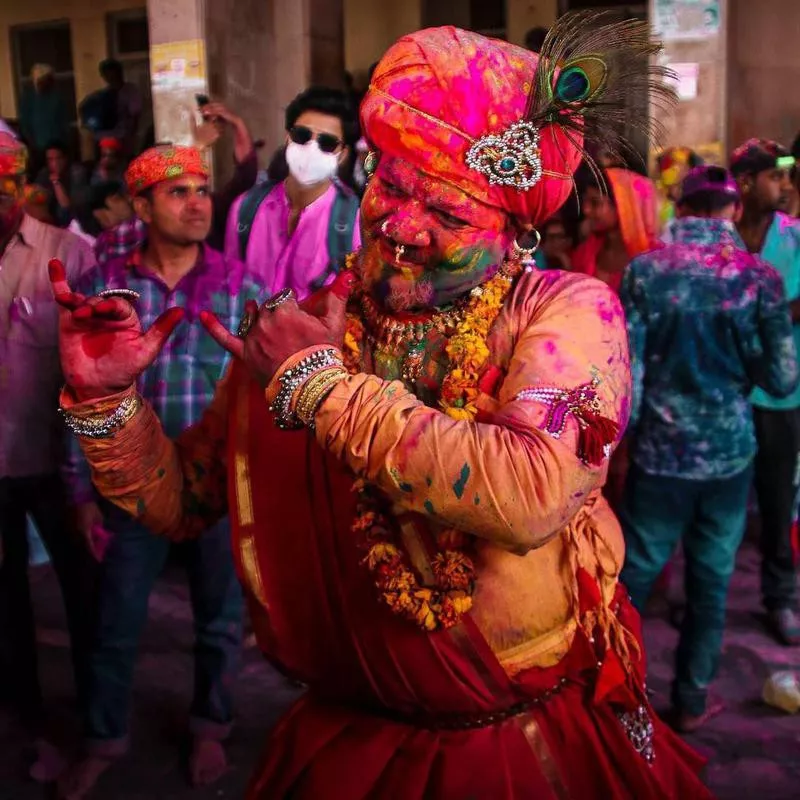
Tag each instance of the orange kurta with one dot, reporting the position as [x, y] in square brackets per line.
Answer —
[370, 726]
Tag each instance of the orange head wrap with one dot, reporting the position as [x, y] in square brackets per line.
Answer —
[13, 156]
[443, 97]
[163, 163]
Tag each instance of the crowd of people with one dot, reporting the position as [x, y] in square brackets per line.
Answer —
[492, 400]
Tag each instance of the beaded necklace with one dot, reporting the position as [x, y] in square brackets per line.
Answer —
[442, 604]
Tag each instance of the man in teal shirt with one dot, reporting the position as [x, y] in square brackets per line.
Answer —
[762, 169]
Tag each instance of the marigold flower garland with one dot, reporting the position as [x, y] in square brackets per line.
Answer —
[443, 604]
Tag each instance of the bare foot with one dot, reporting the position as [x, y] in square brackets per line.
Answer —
[207, 763]
[80, 778]
[49, 763]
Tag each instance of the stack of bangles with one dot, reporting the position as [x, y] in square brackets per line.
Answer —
[301, 390]
[304, 386]
[101, 426]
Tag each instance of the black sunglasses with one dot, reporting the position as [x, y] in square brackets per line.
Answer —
[327, 142]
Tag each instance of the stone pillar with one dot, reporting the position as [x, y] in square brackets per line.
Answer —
[326, 42]
[698, 121]
[764, 71]
[178, 65]
[370, 28]
[256, 56]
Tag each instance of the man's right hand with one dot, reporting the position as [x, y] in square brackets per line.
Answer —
[103, 348]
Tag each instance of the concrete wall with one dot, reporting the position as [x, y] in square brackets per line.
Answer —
[262, 53]
[522, 15]
[372, 27]
[764, 71]
[699, 122]
[89, 42]
[241, 50]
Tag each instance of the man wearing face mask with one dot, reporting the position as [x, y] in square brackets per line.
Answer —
[296, 234]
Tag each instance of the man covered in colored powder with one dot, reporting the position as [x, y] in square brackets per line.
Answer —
[707, 321]
[413, 459]
[174, 269]
[31, 438]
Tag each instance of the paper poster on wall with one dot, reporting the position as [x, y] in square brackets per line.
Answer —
[178, 65]
[684, 79]
[682, 20]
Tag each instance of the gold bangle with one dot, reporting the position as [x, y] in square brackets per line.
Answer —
[314, 391]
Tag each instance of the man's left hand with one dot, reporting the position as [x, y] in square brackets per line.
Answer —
[277, 335]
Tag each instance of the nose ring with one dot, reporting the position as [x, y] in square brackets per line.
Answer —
[398, 253]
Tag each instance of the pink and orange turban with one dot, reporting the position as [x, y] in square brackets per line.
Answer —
[163, 163]
[442, 97]
[13, 156]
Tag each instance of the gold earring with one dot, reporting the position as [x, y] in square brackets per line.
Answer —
[371, 163]
[526, 254]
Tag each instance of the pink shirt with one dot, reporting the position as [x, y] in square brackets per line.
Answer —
[278, 260]
[31, 432]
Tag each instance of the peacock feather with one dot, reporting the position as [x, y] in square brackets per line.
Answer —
[589, 66]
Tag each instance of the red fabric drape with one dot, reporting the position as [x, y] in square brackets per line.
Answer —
[317, 618]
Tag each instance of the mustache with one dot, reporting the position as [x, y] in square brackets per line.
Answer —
[412, 253]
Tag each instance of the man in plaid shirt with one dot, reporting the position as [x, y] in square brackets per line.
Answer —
[172, 268]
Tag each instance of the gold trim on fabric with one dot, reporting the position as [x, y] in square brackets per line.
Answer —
[241, 459]
[244, 496]
[544, 651]
[541, 751]
[247, 548]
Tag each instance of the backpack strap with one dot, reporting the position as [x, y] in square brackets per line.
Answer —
[340, 232]
[247, 214]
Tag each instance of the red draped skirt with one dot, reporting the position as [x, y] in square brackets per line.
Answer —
[392, 711]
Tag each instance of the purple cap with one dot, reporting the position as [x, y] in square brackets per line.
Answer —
[709, 179]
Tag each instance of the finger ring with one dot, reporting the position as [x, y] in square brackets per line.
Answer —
[125, 294]
[245, 325]
[278, 299]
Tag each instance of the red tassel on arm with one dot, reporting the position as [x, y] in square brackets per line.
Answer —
[597, 433]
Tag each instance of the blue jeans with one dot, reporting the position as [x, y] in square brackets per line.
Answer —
[709, 517]
[133, 561]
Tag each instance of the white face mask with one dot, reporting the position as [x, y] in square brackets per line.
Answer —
[308, 165]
